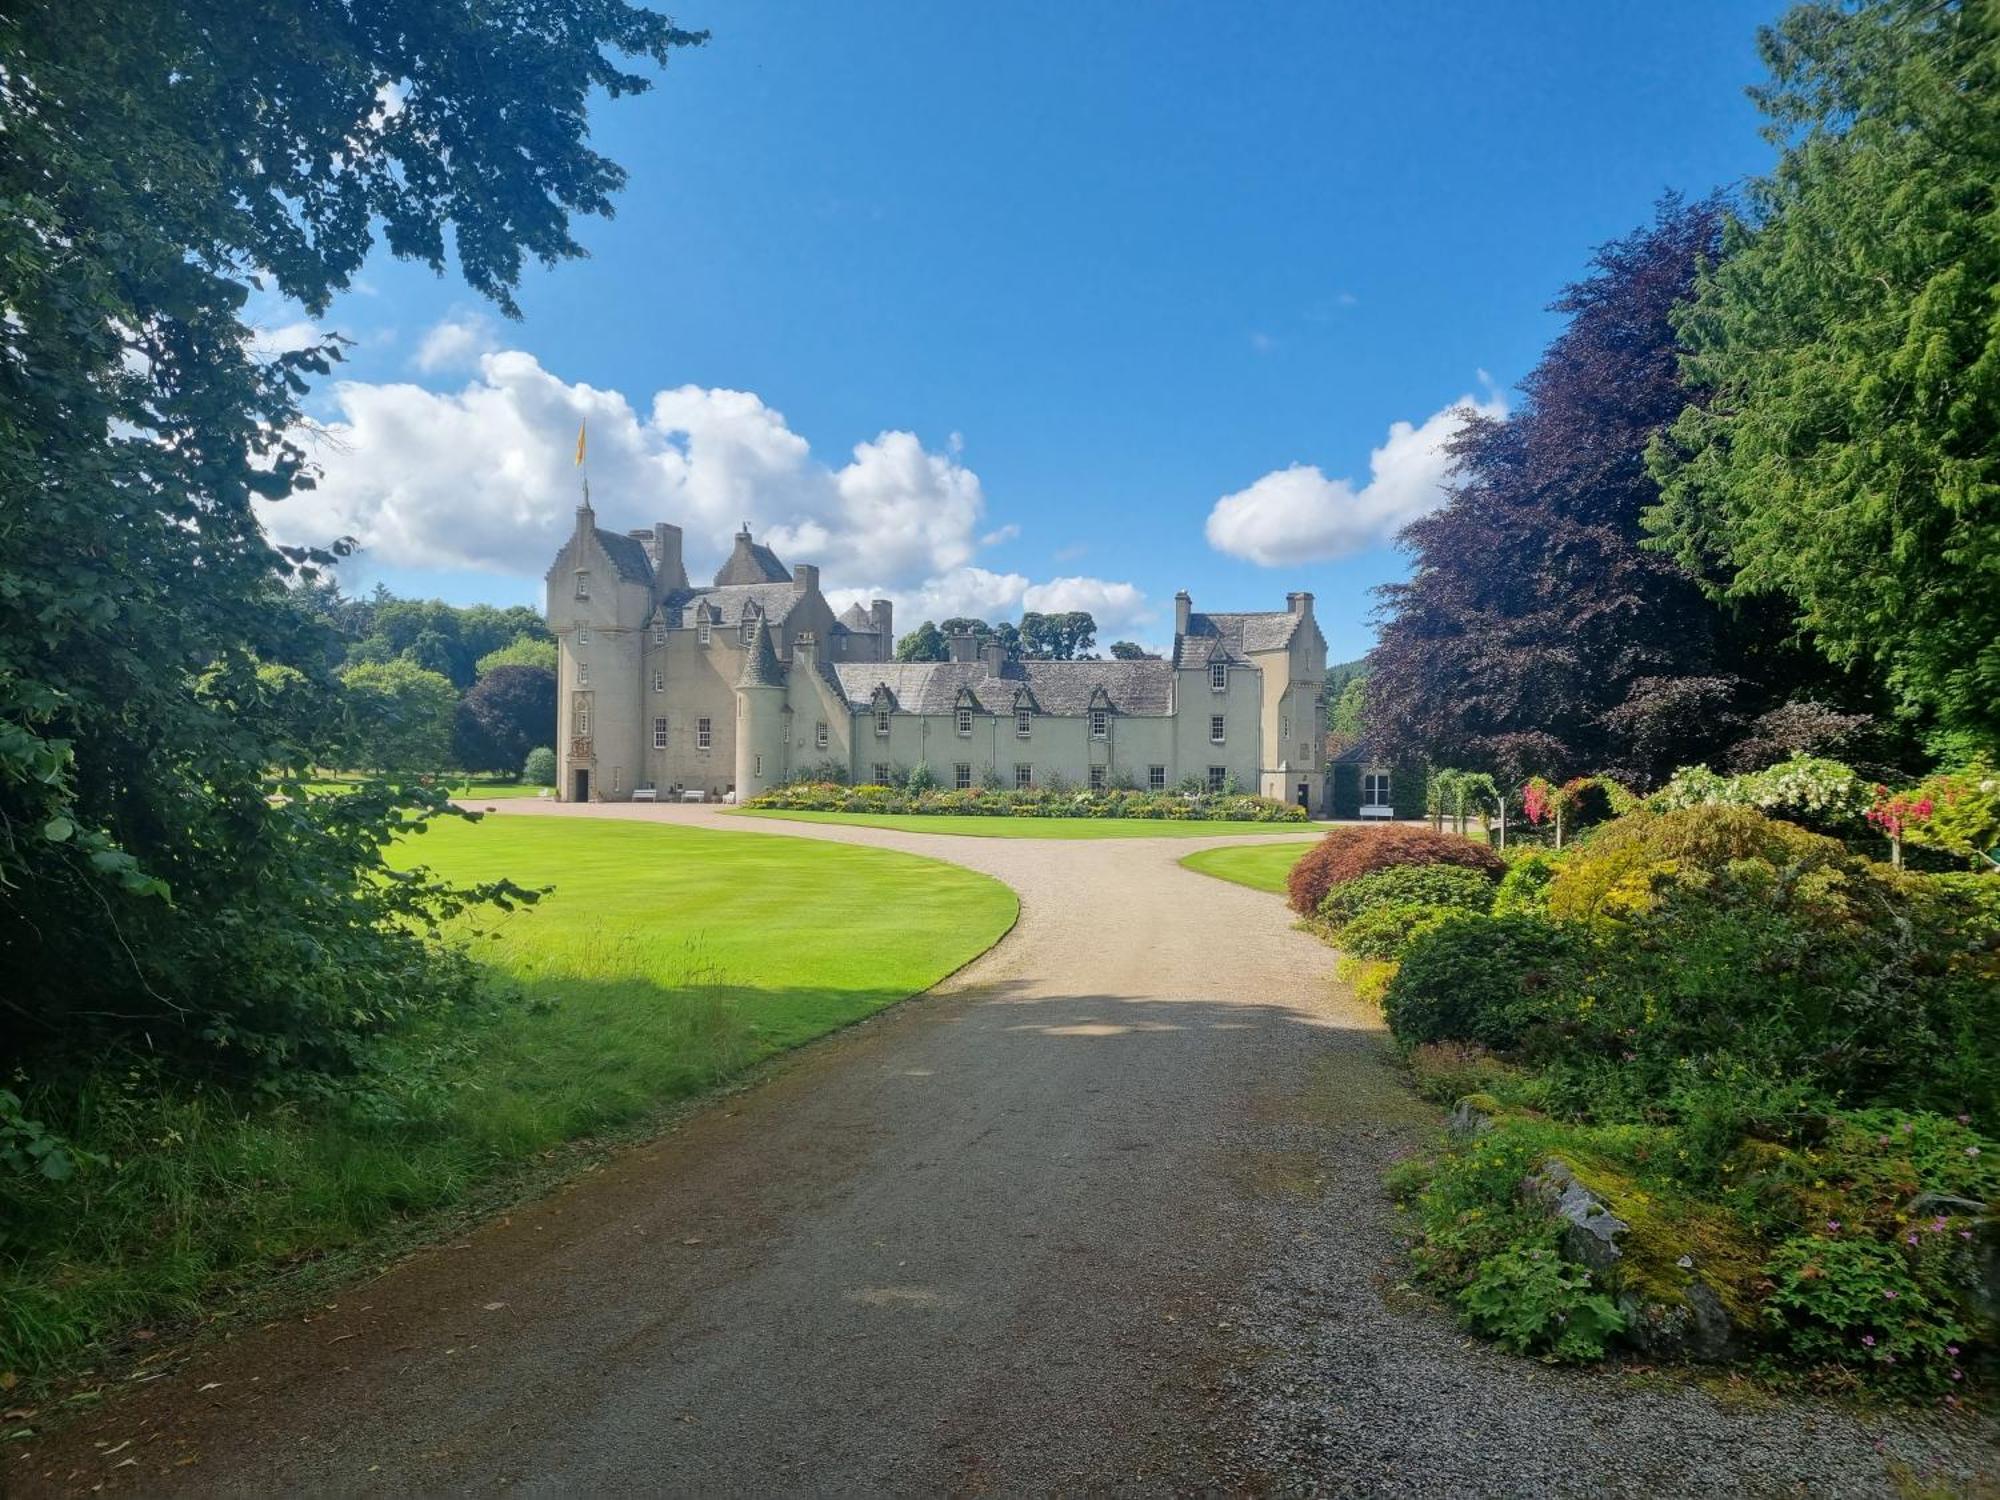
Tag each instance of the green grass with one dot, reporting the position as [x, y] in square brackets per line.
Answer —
[468, 788]
[668, 959]
[1260, 866]
[978, 826]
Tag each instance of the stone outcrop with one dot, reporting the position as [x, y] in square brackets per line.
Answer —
[1671, 1310]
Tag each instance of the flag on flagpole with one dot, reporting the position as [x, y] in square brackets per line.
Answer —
[579, 444]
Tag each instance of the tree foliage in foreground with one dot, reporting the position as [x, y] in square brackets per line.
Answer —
[1846, 461]
[163, 159]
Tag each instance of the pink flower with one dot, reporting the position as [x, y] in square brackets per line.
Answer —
[1965, 1234]
[1958, 1374]
[1909, 1239]
[1952, 1350]
[1938, 1224]
[1868, 1341]
[1889, 1293]
[1833, 1226]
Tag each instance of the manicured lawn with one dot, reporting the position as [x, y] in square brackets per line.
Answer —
[1034, 828]
[667, 959]
[466, 789]
[1262, 866]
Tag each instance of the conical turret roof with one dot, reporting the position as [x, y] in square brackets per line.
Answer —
[760, 662]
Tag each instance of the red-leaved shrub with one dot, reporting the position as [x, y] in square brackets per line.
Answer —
[1348, 853]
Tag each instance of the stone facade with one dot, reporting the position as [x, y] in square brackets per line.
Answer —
[736, 687]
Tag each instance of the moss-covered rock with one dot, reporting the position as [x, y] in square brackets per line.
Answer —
[1682, 1272]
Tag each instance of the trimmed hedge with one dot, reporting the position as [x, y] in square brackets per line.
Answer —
[1349, 853]
[1037, 802]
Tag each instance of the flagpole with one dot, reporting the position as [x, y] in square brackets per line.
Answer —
[583, 473]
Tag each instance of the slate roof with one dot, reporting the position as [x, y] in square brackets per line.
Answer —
[774, 599]
[854, 617]
[1237, 634]
[1355, 753]
[1056, 687]
[751, 562]
[627, 556]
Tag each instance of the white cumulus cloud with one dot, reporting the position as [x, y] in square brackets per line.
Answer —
[1298, 514]
[483, 478]
[1115, 606]
[454, 344]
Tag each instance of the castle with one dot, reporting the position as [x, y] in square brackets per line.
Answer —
[669, 689]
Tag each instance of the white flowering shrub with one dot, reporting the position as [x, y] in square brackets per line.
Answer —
[1805, 789]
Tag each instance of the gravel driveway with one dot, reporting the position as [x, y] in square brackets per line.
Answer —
[1102, 1214]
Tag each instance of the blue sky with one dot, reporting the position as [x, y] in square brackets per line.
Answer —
[1106, 264]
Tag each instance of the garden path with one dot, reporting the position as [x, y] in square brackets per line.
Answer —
[1102, 1213]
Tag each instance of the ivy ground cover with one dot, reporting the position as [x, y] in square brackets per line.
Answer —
[664, 960]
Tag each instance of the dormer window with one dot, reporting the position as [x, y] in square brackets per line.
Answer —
[1024, 724]
[749, 631]
[1218, 676]
[659, 632]
[583, 583]
[1100, 723]
[882, 721]
[965, 721]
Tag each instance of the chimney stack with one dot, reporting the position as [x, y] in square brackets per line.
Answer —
[883, 613]
[994, 654]
[961, 645]
[805, 578]
[1183, 606]
[1300, 604]
[669, 572]
[805, 647]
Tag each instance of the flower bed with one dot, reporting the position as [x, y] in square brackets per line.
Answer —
[1035, 802]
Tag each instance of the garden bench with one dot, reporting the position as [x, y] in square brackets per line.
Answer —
[1377, 810]
[645, 794]
[694, 794]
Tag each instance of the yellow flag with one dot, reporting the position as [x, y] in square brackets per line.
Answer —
[579, 444]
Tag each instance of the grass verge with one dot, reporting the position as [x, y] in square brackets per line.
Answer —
[668, 960]
[979, 826]
[1262, 867]
[466, 788]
